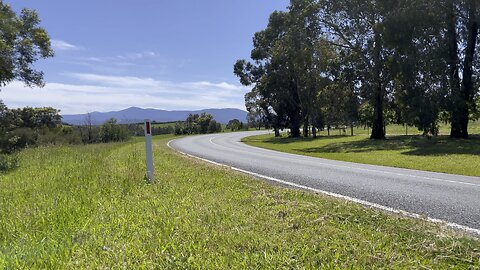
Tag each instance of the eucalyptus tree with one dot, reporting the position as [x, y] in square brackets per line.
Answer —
[419, 85]
[461, 36]
[284, 71]
[357, 29]
[22, 42]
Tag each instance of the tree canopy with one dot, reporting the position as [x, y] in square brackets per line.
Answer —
[22, 42]
[337, 62]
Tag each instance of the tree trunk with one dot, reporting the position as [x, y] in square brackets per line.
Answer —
[295, 131]
[305, 127]
[277, 132]
[295, 127]
[467, 83]
[351, 129]
[378, 132]
[314, 132]
[458, 102]
[328, 130]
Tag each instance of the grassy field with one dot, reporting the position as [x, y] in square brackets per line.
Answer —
[438, 154]
[89, 207]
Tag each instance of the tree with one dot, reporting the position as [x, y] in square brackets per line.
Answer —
[271, 76]
[22, 43]
[198, 124]
[357, 29]
[214, 127]
[111, 131]
[191, 124]
[256, 108]
[284, 70]
[234, 125]
[461, 36]
[204, 122]
[89, 132]
[23, 127]
[417, 66]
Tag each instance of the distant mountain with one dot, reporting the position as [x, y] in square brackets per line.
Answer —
[136, 115]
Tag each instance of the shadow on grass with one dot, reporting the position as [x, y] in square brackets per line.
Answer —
[289, 140]
[412, 145]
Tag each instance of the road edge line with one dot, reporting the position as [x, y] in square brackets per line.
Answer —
[338, 196]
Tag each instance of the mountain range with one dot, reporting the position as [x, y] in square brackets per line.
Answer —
[137, 115]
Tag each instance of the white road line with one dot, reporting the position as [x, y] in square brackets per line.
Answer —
[335, 195]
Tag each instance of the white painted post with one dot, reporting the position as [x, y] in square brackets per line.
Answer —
[148, 144]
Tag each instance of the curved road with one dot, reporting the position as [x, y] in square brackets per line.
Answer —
[440, 197]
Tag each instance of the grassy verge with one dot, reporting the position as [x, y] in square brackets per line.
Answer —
[89, 207]
[438, 154]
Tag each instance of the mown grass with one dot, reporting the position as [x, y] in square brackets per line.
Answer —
[437, 154]
[90, 207]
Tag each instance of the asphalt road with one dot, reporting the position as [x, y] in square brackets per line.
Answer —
[454, 199]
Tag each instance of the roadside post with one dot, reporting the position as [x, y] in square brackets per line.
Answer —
[149, 154]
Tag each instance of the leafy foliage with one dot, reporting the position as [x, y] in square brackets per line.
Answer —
[198, 124]
[23, 127]
[8, 162]
[412, 62]
[22, 42]
[113, 132]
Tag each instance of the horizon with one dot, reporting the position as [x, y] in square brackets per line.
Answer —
[170, 56]
[135, 107]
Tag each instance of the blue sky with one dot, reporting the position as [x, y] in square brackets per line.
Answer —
[113, 54]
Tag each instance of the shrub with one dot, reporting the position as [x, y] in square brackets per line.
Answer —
[17, 139]
[113, 132]
[214, 127]
[179, 128]
[8, 162]
[58, 136]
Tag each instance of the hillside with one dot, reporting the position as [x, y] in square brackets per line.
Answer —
[135, 115]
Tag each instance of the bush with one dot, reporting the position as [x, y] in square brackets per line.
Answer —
[113, 132]
[179, 128]
[214, 127]
[58, 136]
[8, 162]
[17, 139]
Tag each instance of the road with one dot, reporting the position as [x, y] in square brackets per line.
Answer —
[453, 199]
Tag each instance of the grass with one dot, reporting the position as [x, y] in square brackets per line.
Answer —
[437, 154]
[89, 207]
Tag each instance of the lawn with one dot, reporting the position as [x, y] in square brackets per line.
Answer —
[437, 154]
[89, 207]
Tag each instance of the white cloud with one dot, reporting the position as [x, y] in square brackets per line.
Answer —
[60, 45]
[106, 93]
[137, 56]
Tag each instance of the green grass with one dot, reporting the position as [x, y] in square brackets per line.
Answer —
[437, 154]
[164, 125]
[89, 207]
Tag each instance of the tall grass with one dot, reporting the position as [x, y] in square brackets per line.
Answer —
[90, 207]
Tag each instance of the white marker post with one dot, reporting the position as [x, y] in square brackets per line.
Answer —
[148, 144]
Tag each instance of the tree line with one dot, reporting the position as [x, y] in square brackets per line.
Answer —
[198, 124]
[24, 127]
[325, 63]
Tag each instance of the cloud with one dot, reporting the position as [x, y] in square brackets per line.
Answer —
[137, 56]
[60, 45]
[119, 59]
[121, 63]
[96, 92]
